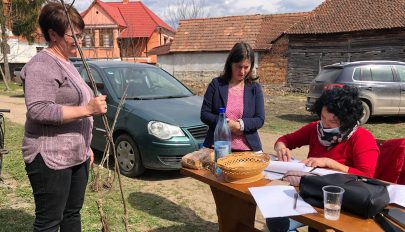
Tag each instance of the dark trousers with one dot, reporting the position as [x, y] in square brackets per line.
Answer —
[58, 194]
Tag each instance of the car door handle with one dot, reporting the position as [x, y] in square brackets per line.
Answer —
[369, 88]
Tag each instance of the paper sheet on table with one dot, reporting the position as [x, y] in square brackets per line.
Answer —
[397, 194]
[272, 175]
[324, 171]
[283, 167]
[278, 201]
[276, 169]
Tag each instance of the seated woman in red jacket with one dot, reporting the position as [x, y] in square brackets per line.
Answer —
[336, 141]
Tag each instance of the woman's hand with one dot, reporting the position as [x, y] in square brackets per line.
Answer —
[318, 162]
[325, 163]
[234, 126]
[91, 158]
[97, 105]
[282, 152]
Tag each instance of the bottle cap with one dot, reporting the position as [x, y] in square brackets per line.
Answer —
[222, 110]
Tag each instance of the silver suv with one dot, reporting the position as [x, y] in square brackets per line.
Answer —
[381, 85]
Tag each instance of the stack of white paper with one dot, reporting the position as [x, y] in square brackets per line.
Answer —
[276, 169]
[278, 201]
[397, 194]
[283, 167]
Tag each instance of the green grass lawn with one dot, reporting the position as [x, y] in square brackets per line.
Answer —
[287, 113]
[152, 204]
[16, 89]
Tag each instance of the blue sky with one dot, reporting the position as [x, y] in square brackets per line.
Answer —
[215, 8]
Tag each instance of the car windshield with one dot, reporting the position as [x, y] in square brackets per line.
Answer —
[145, 83]
[328, 75]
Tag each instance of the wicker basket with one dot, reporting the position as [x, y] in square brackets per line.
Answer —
[243, 167]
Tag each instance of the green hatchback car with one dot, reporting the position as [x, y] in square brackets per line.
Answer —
[159, 122]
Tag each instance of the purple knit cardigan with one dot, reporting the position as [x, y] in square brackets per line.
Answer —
[50, 83]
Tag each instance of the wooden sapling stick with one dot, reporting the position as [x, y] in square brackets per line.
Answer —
[104, 117]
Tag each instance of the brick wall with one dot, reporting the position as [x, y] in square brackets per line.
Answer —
[273, 64]
[196, 80]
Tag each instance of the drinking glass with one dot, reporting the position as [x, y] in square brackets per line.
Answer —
[332, 201]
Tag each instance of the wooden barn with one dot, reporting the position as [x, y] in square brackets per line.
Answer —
[344, 30]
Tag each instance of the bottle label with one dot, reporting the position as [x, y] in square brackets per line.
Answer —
[222, 148]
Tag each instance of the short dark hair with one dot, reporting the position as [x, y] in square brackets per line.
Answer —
[52, 16]
[344, 103]
[240, 52]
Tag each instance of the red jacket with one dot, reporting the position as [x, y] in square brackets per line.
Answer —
[391, 163]
[360, 152]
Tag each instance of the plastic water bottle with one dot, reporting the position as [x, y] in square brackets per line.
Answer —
[222, 136]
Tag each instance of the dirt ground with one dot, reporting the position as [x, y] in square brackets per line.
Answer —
[18, 110]
[164, 182]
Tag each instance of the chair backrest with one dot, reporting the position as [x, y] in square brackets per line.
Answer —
[391, 162]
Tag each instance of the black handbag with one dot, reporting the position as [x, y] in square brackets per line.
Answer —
[365, 197]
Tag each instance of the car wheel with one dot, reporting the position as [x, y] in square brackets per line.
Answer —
[366, 113]
[128, 156]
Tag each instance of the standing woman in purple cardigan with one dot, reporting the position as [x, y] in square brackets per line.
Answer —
[60, 106]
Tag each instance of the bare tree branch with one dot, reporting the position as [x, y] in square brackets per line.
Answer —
[185, 9]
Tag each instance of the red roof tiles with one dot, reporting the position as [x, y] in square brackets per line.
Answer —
[138, 20]
[114, 12]
[334, 16]
[160, 50]
[275, 25]
[216, 34]
[221, 33]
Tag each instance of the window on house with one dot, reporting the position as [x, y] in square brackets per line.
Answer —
[106, 38]
[165, 39]
[88, 40]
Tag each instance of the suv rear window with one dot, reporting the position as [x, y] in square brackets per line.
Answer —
[328, 75]
[374, 73]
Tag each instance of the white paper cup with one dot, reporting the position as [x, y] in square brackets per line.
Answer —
[332, 201]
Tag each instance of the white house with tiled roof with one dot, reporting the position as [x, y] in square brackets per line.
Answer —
[201, 46]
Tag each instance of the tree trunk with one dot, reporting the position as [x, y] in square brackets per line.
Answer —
[4, 51]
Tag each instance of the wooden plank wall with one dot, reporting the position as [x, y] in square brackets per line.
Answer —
[307, 53]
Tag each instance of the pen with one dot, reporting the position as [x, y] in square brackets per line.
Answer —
[295, 200]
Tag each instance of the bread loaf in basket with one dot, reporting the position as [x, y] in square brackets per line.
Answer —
[198, 159]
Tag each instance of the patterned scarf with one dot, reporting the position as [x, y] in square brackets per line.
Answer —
[331, 137]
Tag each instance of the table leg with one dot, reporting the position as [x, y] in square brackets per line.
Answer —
[234, 214]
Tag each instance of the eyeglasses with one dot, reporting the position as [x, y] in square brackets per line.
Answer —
[79, 36]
